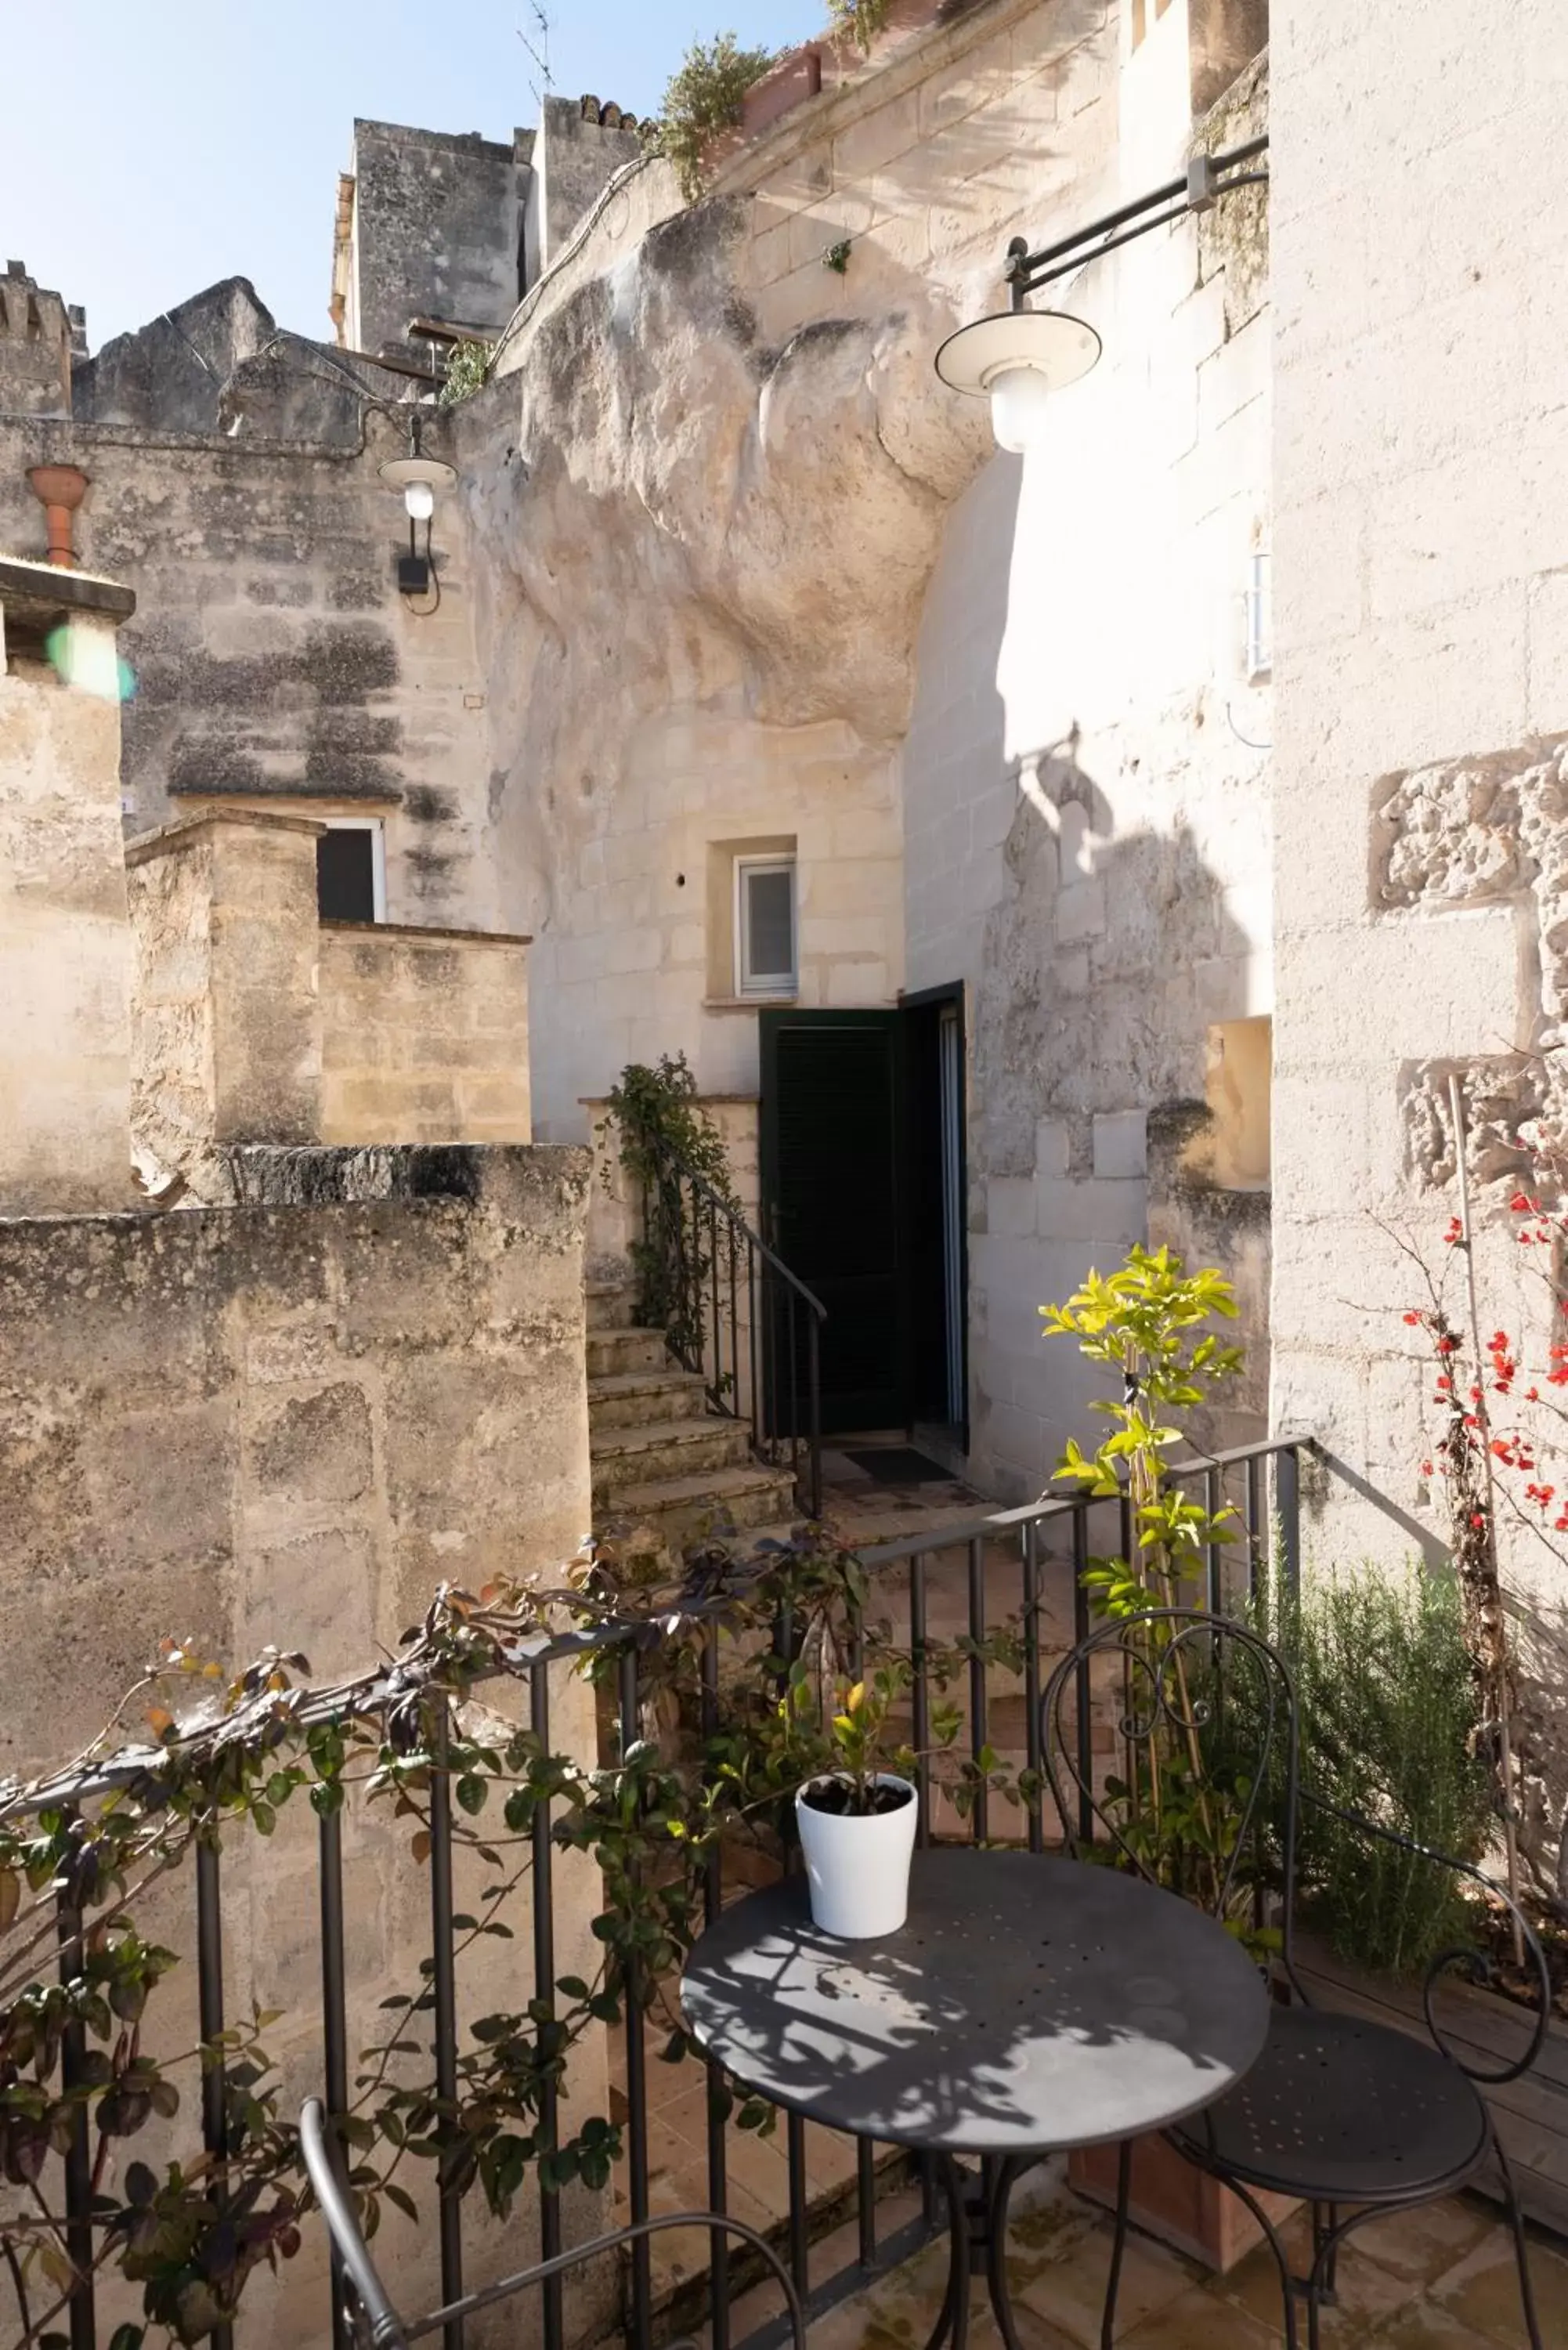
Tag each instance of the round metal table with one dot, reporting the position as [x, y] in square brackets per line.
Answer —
[1029, 2004]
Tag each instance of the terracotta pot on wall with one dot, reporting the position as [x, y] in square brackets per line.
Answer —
[1173, 2200]
[59, 490]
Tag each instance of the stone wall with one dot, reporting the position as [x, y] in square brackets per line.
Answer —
[437, 230]
[286, 1423]
[64, 963]
[710, 515]
[1085, 778]
[424, 1034]
[1422, 695]
[272, 657]
[252, 1021]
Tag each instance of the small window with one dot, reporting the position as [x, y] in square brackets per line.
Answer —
[765, 926]
[351, 871]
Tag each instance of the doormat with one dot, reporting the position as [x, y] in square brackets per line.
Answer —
[900, 1464]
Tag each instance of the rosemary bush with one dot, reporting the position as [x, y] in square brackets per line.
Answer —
[1389, 1728]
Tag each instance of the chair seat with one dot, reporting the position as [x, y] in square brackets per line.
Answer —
[1338, 2110]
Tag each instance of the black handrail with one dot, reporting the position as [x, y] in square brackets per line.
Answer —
[733, 1312]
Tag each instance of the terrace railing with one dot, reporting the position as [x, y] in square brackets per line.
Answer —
[1009, 1558]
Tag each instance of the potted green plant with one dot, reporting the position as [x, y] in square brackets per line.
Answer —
[857, 1821]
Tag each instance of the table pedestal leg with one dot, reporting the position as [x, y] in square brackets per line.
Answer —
[976, 2224]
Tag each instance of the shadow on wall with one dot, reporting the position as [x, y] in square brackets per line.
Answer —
[1091, 1040]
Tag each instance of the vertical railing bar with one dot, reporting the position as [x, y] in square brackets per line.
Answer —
[1255, 1523]
[334, 2020]
[1031, 1684]
[756, 1306]
[814, 1352]
[636, 2058]
[734, 1328]
[794, 1390]
[920, 1700]
[210, 2023]
[712, 1903]
[443, 1986]
[799, 2205]
[78, 2157]
[977, 1694]
[865, 2199]
[1288, 1494]
[1085, 1764]
[718, 1387]
[1212, 1499]
[545, 1989]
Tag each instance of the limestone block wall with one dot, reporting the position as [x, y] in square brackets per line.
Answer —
[275, 662]
[252, 1021]
[424, 1034]
[435, 227]
[711, 513]
[1085, 774]
[1421, 496]
[226, 1023]
[285, 1423]
[65, 951]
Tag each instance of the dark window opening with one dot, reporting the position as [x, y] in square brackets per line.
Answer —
[345, 876]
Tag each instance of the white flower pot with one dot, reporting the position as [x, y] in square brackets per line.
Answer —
[858, 1869]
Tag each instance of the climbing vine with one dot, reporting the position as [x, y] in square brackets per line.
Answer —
[703, 99]
[221, 1757]
[666, 1137]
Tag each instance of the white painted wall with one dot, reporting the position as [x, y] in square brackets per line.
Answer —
[1087, 833]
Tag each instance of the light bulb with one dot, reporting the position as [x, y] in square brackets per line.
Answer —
[1019, 397]
[419, 498]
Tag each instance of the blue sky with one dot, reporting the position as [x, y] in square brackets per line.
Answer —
[154, 146]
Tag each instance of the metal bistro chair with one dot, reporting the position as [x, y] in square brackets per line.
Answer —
[1337, 2112]
[376, 2325]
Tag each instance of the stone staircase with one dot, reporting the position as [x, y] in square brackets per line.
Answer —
[660, 1459]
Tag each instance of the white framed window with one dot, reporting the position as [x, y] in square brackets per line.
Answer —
[351, 870]
[765, 957]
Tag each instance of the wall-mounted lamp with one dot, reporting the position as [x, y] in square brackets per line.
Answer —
[1017, 358]
[1020, 356]
[418, 478]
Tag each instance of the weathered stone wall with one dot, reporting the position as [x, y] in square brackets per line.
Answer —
[710, 535]
[274, 658]
[577, 154]
[35, 347]
[252, 1021]
[1421, 498]
[225, 1025]
[437, 230]
[1085, 805]
[65, 953]
[286, 1423]
[424, 1036]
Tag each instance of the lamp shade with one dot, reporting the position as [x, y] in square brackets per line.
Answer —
[398, 473]
[1017, 358]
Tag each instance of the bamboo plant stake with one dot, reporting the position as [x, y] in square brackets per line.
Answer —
[1481, 1555]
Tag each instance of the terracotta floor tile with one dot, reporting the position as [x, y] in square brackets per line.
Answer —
[1069, 2291]
[1425, 2243]
[1366, 2292]
[1199, 2320]
[1482, 2293]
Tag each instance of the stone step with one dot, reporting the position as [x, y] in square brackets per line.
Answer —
[609, 1304]
[637, 1399]
[627, 1457]
[683, 1508]
[627, 1348]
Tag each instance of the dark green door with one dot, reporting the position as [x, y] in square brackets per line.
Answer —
[829, 1128]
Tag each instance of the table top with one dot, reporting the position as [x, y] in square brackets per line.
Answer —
[1030, 2003]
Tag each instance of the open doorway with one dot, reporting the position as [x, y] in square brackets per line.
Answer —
[862, 1166]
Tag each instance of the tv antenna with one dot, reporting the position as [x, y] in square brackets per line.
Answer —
[537, 45]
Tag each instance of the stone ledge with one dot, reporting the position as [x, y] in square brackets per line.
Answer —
[417, 930]
[47, 588]
[169, 839]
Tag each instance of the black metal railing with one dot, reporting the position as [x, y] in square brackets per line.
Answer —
[733, 1312]
[1021, 1565]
